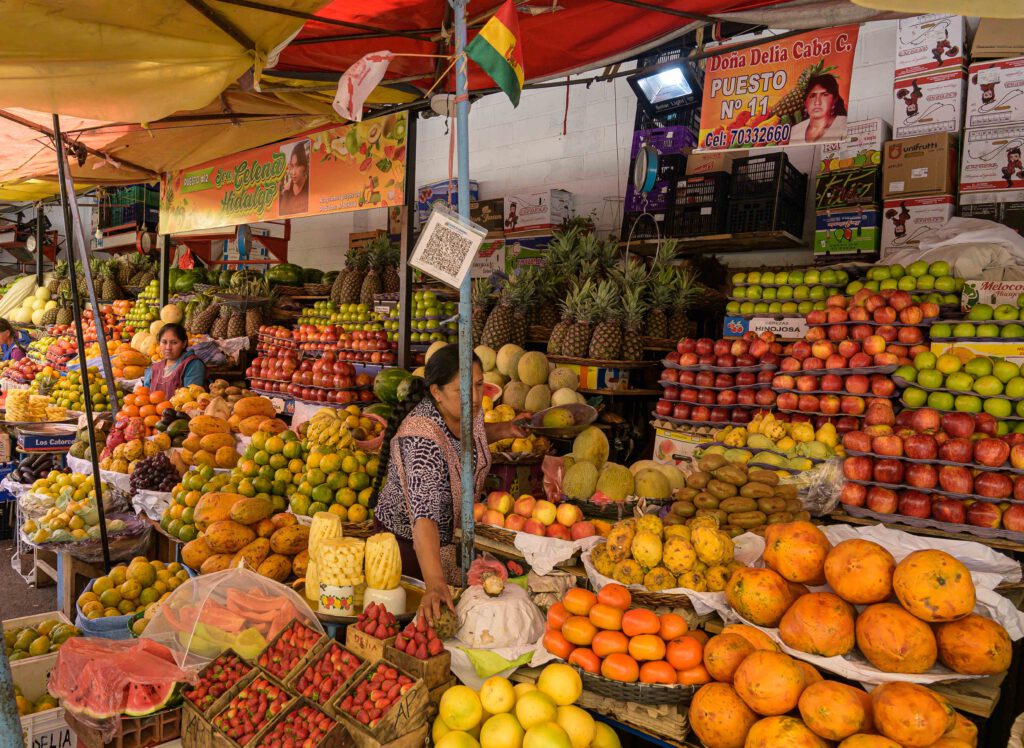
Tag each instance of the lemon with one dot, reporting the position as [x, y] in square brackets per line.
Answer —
[345, 496]
[357, 513]
[130, 590]
[274, 445]
[331, 463]
[278, 461]
[118, 575]
[313, 460]
[111, 598]
[292, 449]
[358, 481]
[340, 511]
[259, 439]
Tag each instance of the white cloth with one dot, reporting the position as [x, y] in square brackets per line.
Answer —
[834, 132]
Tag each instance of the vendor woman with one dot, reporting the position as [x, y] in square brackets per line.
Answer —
[178, 367]
[422, 458]
[10, 350]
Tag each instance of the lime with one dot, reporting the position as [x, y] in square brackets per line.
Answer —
[345, 496]
[292, 449]
[299, 504]
[283, 474]
[278, 461]
[187, 533]
[331, 463]
[323, 493]
[259, 439]
[296, 466]
[317, 506]
[358, 481]
[246, 488]
[279, 487]
[337, 480]
[174, 527]
[315, 477]
[274, 445]
[261, 458]
[350, 464]
[364, 496]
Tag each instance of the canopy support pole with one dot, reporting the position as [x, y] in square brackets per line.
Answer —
[408, 225]
[71, 226]
[40, 236]
[163, 245]
[465, 306]
[10, 722]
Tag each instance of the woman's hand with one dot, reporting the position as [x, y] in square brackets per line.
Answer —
[505, 430]
[435, 599]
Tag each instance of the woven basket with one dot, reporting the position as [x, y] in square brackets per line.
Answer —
[290, 290]
[652, 600]
[357, 529]
[316, 289]
[497, 534]
[642, 693]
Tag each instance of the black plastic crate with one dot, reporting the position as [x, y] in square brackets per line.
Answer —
[698, 220]
[647, 227]
[770, 174]
[703, 189]
[766, 214]
[140, 214]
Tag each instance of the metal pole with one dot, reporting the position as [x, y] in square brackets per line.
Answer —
[163, 244]
[10, 722]
[407, 228]
[40, 235]
[465, 307]
[70, 210]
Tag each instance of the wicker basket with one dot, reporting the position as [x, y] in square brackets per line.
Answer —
[643, 693]
[290, 290]
[357, 529]
[653, 600]
[316, 289]
[496, 534]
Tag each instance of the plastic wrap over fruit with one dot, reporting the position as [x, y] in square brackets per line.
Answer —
[237, 609]
[98, 680]
[819, 487]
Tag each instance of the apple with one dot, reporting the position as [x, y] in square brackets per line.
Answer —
[949, 510]
[910, 335]
[700, 413]
[885, 315]
[921, 475]
[823, 349]
[983, 514]
[580, 530]
[878, 429]
[857, 441]
[991, 452]
[885, 359]
[845, 424]
[725, 362]
[882, 386]
[836, 300]
[741, 415]
[860, 314]
[904, 420]
[900, 300]
[500, 501]
[847, 348]
[852, 405]
[814, 364]
[534, 527]
[1013, 517]
[859, 360]
[861, 332]
[558, 531]
[493, 517]
[515, 522]
[746, 397]
[986, 424]
[704, 347]
[724, 380]
[816, 317]
[853, 494]
[719, 415]
[835, 362]
[958, 425]
[955, 479]
[568, 514]
[745, 378]
[888, 471]
[728, 397]
[889, 446]
[1017, 456]
[721, 347]
[705, 379]
[993, 485]
[856, 384]
[835, 333]
[479, 508]
[681, 411]
[915, 504]
[956, 450]
[806, 383]
[925, 419]
[1018, 487]
[739, 347]
[829, 404]
[759, 347]
[836, 316]
[765, 397]
[671, 375]
[921, 447]
[689, 396]
[873, 302]
[808, 403]
[691, 359]
[784, 382]
[706, 397]
[686, 345]
[882, 500]
[791, 364]
[524, 506]
[544, 511]
[801, 350]
[858, 468]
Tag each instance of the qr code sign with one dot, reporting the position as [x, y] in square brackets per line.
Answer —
[446, 247]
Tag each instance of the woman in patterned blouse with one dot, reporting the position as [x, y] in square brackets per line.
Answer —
[420, 502]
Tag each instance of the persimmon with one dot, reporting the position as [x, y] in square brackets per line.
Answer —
[640, 621]
[620, 667]
[672, 626]
[557, 615]
[557, 644]
[615, 595]
[585, 658]
[694, 676]
[147, 410]
[684, 653]
[579, 630]
[161, 407]
[647, 647]
[156, 397]
[152, 420]
[609, 642]
[606, 617]
[132, 411]
[579, 601]
[658, 671]
[699, 635]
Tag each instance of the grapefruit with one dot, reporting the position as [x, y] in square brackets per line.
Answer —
[578, 725]
[546, 735]
[605, 737]
[497, 695]
[534, 708]
[561, 682]
[460, 708]
[501, 731]
[457, 739]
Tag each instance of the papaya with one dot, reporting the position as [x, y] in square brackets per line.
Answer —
[276, 567]
[193, 442]
[214, 507]
[290, 540]
[283, 519]
[226, 457]
[273, 426]
[227, 536]
[250, 510]
[215, 563]
[195, 552]
[249, 426]
[252, 555]
[254, 406]
[213, 442]
[130, 357]
[204, 425]
[134, 372]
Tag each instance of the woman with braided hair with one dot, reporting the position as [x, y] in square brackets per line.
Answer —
[420, 503]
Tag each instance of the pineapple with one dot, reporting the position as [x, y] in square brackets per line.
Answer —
[49, 317]
[507, 321]
[544, 312]
[352, 285]
[523, 295]
[633, 312]
[65, 316]
[236, 325]
[60, 274]
[124, 272]
[253, 321]
[792, 104]
[339, 281]
[108, 287]
[577, 338]
[606, 339]
[660, 291]
[203, 322]
[377, 252]
[480, 293]
[220, 325]
[684, 293]
[390, 282]
[556, 341]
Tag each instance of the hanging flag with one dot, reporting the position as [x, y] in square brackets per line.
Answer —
[496, 50]
[358, 83]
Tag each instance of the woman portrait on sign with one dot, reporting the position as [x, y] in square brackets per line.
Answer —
[294, 196]
[824, 112]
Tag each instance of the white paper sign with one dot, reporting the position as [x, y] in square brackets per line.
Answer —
[447, 246]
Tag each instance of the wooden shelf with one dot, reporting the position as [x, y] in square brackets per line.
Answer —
[753, 241]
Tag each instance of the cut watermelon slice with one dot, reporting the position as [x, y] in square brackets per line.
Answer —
[146, 698]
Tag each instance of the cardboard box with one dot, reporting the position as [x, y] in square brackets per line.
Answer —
[932, 102]
[906, 223]
[525, 250]
[1012, 351]
[998, 37]
[993, 293]
[847, 188]
[599, 377]
[676, 447]
[928, 42]
[916, 167]
[50, 438]
[1006, 207]
[705, 163]
[534, 211]
[995, 93]
[785, 326]
[490, 259]
[845, 232]
[434, 192]
[993, 159]
[489, 213]
[862, 146]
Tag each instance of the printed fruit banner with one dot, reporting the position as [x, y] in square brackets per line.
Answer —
[332, 170]
[788, 92]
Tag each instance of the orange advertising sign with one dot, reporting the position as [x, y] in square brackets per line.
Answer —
[787, 92]
[331, 170]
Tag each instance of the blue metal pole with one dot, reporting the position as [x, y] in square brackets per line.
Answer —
[10, 722]
[465, 306]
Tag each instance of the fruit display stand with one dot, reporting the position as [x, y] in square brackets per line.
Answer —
[402, 719]
[132, 732]
[367, 646]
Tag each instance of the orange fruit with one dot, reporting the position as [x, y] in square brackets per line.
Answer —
[620, 667]
[609, 642]
[640, 621]
[147, 410]
[694, 676]
[615, 595]
[647, 647]
[579, 630]
[658, 671]
[606, 617]
[672, 627]
[156, 397]
[579, 601]
[684, 653]
[585, 658]
[556, 644]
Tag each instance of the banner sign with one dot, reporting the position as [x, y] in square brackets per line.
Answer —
[787, 92]
[331, 170]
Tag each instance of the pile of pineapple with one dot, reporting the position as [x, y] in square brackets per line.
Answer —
[369, 271]
[203, 316]
[767, 441]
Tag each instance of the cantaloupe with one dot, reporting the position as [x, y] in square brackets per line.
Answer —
[171, 313]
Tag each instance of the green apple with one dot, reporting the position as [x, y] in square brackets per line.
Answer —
[853, 288]
[907, 283]
[767, 278]
[1014, 388]
[739, 292]
[908, 373]
[1005, 312]
[917, 269]
[941, 330]
[889, 284]
[754, 292]
[897, 271]
[796, 277]
[811, 277]
[925, 360]
[1020, 301]
[960, 381]
[818, 292]
[819, 304]
[873, 285]
[964, 330]
[747, 307]
[929, 378]
[805, 306]
[761, 307]
[879, 273]
[842, 276]
[981, 312]
[987, 330]
[949, 298]
[938, 268]
[935, 298]
[791, 307]
[801, 292]
[914, 397]
[775, 307]
[925, 283]
[945, 283]
[828, 277]
[979, 366]
[960, 282]
[988, 386]
[754, 276]
[947, 363]
[782, 277]
[942, 401]
[770, 294]
[966, 404]
[1019, 412]
[1004, 371]
[1002, 428]
[733, 307]
[738, 278]
[784, 293]
[998, 407]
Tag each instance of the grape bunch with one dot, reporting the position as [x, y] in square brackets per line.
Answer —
[155, 474]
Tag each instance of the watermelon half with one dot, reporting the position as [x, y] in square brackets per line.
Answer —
[386, 384]
[146, 698]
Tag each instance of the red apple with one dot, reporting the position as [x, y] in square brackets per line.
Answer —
[991, 452]
[721, 347]
[921, 475]
[745, 378]
[986, 423]
[856, 384]
[829, 404]
[861, 332]
[687, 345]
[801, 350]
[725, 362]
[911, 315]
[791, 364]
[724, 380]
[788, 401]
[1013, 518]
[853, 494]
[955, 479]
[728, 397]
[741, 415]
[806, 383]
[921, 447]
[882, 386]
[747, 397]
[524, 505]
[885, 359]
[835, 362]
[859, 361]
[783, 382]
[915, 504]
[983, 514]
[706, 397]
[580, 530]
[874, 344]
[910, 335]
[956, 450]
[808, 403]
[758, 348]
[882, 500]
[705, 379]
[878, 413]
[852, 405]
[816, 317]
[900, 300]
[692, 359]
[479, 509]
[890, 446]
[835, 333]
[815, 334]
[681, 411]
[857, 441]
[1018, 487]
[1017, 456]
[823, 349]
[949, 510]
[958, 424]
[858, 468]
[719, 415]
[558, 531]
[885, 315]
[888, 471]
[700, 413]
[739, 347]
[689, 396]
[836, 300]
[814, 364]
[534, 527]
[860, 314]
[845, 424]
[836, 316]
[847, 348]
[993, 485]
[515, 522]
[672, 393]
[765, 397]
[925, 419]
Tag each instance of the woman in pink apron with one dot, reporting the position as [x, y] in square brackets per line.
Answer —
[178, 367]
[421, 501]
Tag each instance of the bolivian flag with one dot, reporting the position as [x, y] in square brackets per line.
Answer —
[496, 50]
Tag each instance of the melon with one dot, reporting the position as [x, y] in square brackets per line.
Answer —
[515, 395]
[591, 445]
[673, 475]
[43, 293]
[533, 368]
[615, 481]
[563, 396]
[434, 348]
[557, 418]
[636, 467]
[488, 358]
[494, 376]
[561, 377]
[580, 480]
[538, 398]
[146, 698]
[507, 359]
[51, 304]
[650, 483]
[154, 328]
[37, 316]
[171, 313]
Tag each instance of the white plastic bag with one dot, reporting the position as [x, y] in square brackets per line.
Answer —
[973, 247]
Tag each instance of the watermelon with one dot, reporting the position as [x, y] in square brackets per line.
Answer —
[328, 277]
[385, 386]
[312, 275]
[286, 274]
[378, 409]
[146, 698]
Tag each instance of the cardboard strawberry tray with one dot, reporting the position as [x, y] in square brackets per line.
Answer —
[215, 680]
[290, 650]
[329, 669]
[382, 704]
[247, 710]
